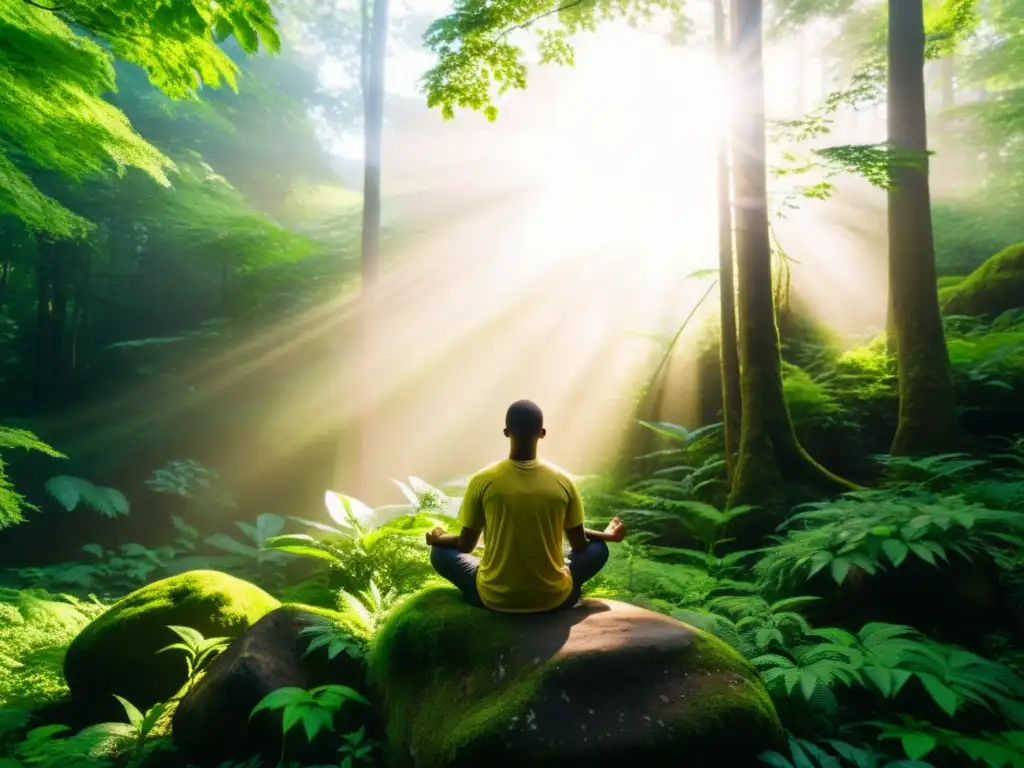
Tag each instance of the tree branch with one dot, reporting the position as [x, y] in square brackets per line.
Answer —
[44, 7]
[535, 19]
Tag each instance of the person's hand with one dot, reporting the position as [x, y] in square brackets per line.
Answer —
[616, 530]
[434, 535]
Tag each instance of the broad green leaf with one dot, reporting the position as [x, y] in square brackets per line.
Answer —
[917, 745]
[840, 568]
[895, 550]
[940, 693]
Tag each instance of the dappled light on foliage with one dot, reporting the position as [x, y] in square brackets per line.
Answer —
[759, 263]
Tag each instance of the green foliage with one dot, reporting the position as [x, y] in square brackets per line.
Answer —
[968, 233]
[832, 754]
[52, 83]
[880, 529]
[994, 750]
[314, 709]
[109, 571]
[199, 651]
[35, 628]
[324, 632]
[475, 50]
[71, 492]
[12, 503]
[253, 558]
[177, 43]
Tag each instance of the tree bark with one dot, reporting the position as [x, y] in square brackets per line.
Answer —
[730, 362]
[769, 453]
[927, 416]
[374, 50]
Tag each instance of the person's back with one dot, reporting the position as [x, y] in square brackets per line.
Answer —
[526, 507]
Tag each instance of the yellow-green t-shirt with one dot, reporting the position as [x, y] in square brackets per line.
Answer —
[523, 508]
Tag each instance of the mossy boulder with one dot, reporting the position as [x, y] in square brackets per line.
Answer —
[213, 723]
[604, 684]
[995, 287]
[118, 652]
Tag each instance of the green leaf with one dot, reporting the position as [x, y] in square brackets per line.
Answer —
[940, 693]
[895, 550]
[923, 552]
[808, 683]
[282, 697]
[840, 568]
[775, 760]
[300, 544]
[134, 716]
[316, 720]
[917, 745]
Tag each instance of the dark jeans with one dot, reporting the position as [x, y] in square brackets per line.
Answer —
[461, 570]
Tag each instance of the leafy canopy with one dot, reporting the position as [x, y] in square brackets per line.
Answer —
[477, 59]
[53, 82]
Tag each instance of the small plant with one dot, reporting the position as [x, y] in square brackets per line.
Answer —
[253, 558]
[189, 479]
[199, 652]
[357, 749]
[370, 607]
[314, 709]
[328, 634]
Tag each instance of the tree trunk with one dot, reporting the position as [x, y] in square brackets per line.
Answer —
[927, 416]
[374, 50]
[769, 453]
[730, 362]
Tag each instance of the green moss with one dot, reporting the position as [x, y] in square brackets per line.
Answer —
[810, 403]
[35, 630]
[118, 652]
[993, 288]
[352, 624]
[950, 281]
[454, 679]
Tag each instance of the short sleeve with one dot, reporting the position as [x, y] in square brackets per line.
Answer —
[471, 510]
[574, 512]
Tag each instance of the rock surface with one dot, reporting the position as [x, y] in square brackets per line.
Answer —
[603, 684]
[118, 652]
[212, 723]
[993, 288]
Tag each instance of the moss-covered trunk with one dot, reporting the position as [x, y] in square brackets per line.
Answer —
[730, 362]
[927, 419]
[769, 453]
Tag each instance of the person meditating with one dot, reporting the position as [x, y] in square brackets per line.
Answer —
[526, 506]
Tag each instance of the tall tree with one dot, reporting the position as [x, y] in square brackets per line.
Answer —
[730, 362]
[372, 60]
[375, 40]
[927, 416]
[770, 455]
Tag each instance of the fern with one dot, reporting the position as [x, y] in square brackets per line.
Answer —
[876, 530]
[12, 503]
[70, 492]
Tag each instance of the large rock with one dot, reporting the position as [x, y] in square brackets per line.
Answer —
[212, 723]
[118, 652]
[605, 684]
[993, 288]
